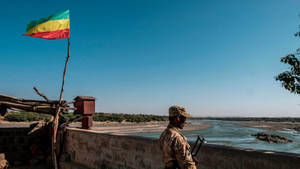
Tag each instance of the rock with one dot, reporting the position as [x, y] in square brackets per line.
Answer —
[297, 128]
[3, 162]
[271, 138]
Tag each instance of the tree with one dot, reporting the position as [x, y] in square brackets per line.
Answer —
[290, 80]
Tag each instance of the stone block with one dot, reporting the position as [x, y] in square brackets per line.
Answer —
[72, 165]
[126, 146]
[108, 157]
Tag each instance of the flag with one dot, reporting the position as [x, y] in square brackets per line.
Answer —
[56, 26]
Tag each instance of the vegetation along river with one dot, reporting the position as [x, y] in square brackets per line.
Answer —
[229, 134]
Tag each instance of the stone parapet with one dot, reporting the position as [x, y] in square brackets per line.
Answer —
[96, 151]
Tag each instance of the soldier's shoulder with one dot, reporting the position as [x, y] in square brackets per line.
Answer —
[171, 132]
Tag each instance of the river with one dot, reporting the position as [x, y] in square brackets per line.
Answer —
[229, 134]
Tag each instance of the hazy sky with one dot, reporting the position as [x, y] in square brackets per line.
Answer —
[215, 57]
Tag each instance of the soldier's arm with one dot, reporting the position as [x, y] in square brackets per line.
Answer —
[183, 154]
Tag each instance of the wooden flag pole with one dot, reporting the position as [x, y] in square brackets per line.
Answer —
[58, 109]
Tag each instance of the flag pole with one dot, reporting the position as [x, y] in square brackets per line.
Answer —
[58, 109]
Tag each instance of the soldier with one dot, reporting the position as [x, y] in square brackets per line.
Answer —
[174, 146]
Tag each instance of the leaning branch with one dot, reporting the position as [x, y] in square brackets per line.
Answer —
[41, 94]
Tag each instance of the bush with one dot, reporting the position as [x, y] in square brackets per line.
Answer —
[70, 116]
[114, 117]
[127, 117]
[26, 116]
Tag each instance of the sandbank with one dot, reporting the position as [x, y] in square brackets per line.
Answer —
[271, 125]
[133, 127]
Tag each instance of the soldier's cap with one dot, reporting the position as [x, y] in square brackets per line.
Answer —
[178, 110]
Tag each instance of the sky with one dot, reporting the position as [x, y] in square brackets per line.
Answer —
[217, 58]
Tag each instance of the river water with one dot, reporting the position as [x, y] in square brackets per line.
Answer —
[226, 133]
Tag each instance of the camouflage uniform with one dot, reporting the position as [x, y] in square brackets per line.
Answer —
[175, 148]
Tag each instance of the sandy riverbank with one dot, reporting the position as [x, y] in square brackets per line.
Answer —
[271, 125]
[131, 127]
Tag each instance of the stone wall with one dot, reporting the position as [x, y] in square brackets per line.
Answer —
[102, 151]
[14, 143]
[96, 150]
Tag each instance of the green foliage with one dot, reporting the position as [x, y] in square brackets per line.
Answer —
[26, 116]
[127, 117]
[290, 80]
[31, 116]
[70, 116]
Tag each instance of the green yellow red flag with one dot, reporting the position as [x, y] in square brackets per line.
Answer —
[56, 26]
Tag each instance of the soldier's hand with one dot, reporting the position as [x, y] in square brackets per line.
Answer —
[195, 160]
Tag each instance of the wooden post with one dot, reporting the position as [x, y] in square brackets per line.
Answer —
[58, 109]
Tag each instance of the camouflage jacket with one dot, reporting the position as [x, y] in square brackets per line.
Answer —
[175, 149]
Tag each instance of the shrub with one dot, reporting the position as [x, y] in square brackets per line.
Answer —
[117, 117]
[70, 116]
[26, 116]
